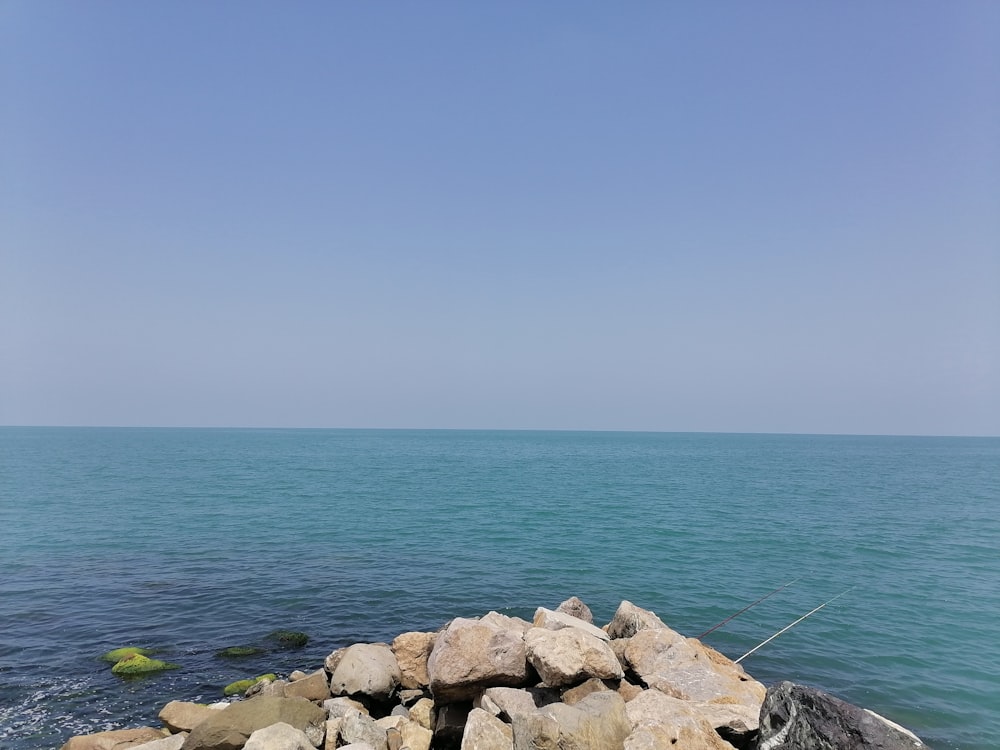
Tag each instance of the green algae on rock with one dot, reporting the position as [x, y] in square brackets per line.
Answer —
[241, 686]
[236, 652]
[116, 655]
[288, 638]
[138, 664]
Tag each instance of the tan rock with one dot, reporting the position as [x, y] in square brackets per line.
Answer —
[576, 694]
[414, 736]
[630, 619]
[483, 731]
[549, 620]
[660, 722]
[230, 728]
[368, 669]
[412, 651]
[628, 691]
[470, 655]
[422, 712]
[181, 716]
[570, 655]
[314, 687]
[687, 669]
[173, 742]
[117, 739]
[278, 736]
[574, 606]
[597, 722]
[332, 733]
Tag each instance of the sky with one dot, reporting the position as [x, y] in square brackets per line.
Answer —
[723, 217]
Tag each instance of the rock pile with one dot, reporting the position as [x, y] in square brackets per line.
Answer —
[502, 683]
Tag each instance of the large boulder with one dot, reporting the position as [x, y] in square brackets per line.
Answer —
[181, 716]
[795, 717]
[630, 619]
[598, 722]
[659, 722]
[570, 655]
[412, 651]
[278, 736]
[546, 618]
[230, 728]
[117, 739]
[368, 669]
[483, 731]
[685, 668]
[470, 655]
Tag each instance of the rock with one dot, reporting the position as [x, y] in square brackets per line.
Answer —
[598, 722]
[575, 607]
[332, 733]
[423, 713]
[333, 659]
[238, 652]
[415, 736]
[576, 694]
[687, 669]
[181, 716]
[412, 651]
[356, 727]
[470, 655]
[408, 697]
[628, 691]
[173, 742]
[139, 664]
[288, 639]
[118, 739]
[546, 618]
[483, 731]
[230, 728]
[660, 722]
[368, 669]
[274, 688]
[630, 619]
[795, 717]
[570, 655]
[116, 655]
[297, 674]
[338, 707]
[357, 746]
[314, 687]
[504, 703]
[280, 736]
[241, 686]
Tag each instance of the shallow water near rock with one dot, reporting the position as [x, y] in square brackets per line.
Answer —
[190, 541]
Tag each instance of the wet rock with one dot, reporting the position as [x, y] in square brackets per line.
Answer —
[795, 717]
[116, 655]
[137, 664]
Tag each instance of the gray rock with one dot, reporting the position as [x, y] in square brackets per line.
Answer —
[470, 655]
[368, 669]
[570, 655]
[630, 619]
[173, 742]
[795, 717]
[575, 607]
[356, 727]
[230, 728]
[505, 703]
[338, 707]
[483, 731]
[278, 736]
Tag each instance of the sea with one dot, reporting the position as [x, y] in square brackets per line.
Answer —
[187, 541]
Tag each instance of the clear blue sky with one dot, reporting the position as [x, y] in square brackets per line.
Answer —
[765, 217]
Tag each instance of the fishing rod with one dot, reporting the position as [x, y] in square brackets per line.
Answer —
[732, 617]
[789, 627]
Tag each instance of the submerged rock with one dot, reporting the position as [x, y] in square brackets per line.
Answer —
[241, 686]
[288, 638]
[137, 664]
[238, 652]
[116, 655]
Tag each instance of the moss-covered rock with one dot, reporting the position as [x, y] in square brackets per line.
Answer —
[237, 652]
[138, 664]
[118, 654]
[288, 638]
[241, 686]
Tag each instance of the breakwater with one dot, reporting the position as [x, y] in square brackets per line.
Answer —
[502, 683]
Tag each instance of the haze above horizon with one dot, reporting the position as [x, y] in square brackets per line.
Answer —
[778, 218]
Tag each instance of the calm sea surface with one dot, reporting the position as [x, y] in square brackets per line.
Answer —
[188, 541]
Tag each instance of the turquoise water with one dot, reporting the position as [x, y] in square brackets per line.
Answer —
[192, 540]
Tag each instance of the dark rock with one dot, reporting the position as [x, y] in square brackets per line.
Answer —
[288, 638]
[795, 717]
